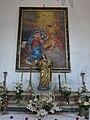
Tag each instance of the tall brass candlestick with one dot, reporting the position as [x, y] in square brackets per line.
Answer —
[30, 77]
[22, 79]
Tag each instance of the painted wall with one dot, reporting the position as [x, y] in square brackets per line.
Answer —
[79, 34]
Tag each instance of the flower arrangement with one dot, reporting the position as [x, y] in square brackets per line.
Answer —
[2, 91]
[42, 105]
[84, 104]
[66, 92]
[1, 85]
[84, 100]
[18, 91]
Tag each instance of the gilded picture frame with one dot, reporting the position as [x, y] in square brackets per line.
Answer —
[43, 30]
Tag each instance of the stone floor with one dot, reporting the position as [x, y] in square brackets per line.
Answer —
[22, 116]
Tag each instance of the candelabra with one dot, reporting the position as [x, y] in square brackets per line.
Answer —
[83, 82]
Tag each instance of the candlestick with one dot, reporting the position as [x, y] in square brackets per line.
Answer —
[21, 80]
[30, 84]
[82, 75]
[60, 88]
[83, 82]
[4, 82]
[65, 78]
[30, 76]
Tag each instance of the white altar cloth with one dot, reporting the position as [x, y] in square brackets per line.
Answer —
[34, 117]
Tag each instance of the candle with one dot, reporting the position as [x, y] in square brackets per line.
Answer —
[39, 118]
[30, 77]
[59, 81]
[77, 118]
[26, 118]
[58, 73]
[11, 117]
[21, 79]
[21, 76]
[65, 78]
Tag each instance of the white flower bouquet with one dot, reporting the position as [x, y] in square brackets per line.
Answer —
[84, 101]
[66, 92]
[1, 86]
[84, 104]
[42, 105]
[18, 91]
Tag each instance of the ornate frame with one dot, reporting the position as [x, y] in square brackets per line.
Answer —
[51, 25]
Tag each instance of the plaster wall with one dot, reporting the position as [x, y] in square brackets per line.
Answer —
[79, 35]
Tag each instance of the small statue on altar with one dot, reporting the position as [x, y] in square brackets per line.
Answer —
[45, 66]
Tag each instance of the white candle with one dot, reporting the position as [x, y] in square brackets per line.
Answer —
[21, 76]
[58, 73]
[21, 79]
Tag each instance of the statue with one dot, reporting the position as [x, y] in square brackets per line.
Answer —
[45, 73]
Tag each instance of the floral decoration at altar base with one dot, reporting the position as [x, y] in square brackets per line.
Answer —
[84, 105]
[42, 105]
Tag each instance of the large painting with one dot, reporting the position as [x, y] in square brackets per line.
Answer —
[43, 31]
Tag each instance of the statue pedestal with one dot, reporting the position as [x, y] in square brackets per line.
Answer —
[45, 93]
[43, 88]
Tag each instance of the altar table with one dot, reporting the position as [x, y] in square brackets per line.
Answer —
[21, 116]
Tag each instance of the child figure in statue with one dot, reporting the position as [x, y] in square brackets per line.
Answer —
[45, 73]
